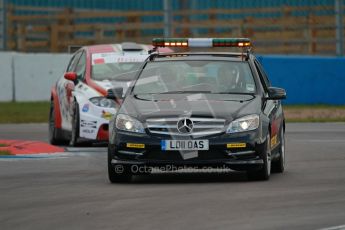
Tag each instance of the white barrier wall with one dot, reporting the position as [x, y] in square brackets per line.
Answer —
[36, 73]
[6, 76]
[33, 75]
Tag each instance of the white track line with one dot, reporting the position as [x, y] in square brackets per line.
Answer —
[340, 227]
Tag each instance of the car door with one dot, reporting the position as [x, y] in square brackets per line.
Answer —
[65, 88]
[75, 88]
[79, 69]
[79, 89]
[272, 107]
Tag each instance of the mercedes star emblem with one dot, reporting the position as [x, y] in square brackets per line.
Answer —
[185, 125]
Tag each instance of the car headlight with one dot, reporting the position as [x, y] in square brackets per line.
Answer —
[103, 102]
[243, 124]
[127, 123]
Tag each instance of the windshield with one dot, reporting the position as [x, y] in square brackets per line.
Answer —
[195, 76]
[114, 66]
[115, 71]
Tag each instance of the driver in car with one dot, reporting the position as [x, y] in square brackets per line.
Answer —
[228, 78]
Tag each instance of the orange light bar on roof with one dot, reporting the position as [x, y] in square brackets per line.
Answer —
[174, 42]
[201, 42]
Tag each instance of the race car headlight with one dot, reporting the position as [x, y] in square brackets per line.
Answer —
[243, 124]
[103, 102]
[127, 123]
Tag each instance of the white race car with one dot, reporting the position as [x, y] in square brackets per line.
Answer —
[79, 107]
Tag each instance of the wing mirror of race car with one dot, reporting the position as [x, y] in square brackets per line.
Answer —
[71, 76]
[115, 93]
[275, 93]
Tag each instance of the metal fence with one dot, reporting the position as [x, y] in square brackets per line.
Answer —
[276, 27]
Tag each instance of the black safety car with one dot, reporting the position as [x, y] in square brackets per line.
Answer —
[198, 110]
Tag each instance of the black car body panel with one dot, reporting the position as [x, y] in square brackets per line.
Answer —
[225, 107]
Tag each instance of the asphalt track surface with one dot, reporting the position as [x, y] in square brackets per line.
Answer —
[72, 192]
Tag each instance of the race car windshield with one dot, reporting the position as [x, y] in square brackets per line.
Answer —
[216, 77]
[123, 71]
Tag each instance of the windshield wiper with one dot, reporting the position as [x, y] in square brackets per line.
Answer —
[184, 91]
[237, 93]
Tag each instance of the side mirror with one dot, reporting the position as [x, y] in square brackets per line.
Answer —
[275, 93]
[115, 93]
[72, 76]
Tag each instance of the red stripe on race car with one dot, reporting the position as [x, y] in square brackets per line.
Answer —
[97, 87]
[101, 49]
[57, 112]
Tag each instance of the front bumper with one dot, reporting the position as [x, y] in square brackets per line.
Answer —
[94, 122]
[149, 152]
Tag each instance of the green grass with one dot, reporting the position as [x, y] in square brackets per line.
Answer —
[24, 112]
[37, 112]
[3, 145]
[4, 152]
[295, 120]
[314, 113]
[316, 106]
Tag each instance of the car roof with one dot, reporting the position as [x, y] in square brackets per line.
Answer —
[119, 47]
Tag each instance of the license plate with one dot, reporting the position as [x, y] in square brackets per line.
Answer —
[184, 144]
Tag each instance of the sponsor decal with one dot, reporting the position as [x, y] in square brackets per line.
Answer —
[130, 59]
[106, 115]
[88, 131]
[236, 145]
[88, 124]
[86, 108]
[69, 87]
[98, 61]
[135, 145]
[104, 58]
[273, 141]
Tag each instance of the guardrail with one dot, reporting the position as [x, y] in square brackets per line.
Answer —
[285, 30]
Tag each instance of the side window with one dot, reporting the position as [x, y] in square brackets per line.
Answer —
[263, 76]
[74, 60]
[80, 68]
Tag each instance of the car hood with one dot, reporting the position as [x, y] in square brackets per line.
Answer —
[226, 106]
[106, 84]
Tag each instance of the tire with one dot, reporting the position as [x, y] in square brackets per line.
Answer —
[54, 137]
[75, 126]
[122, 174]
[278, 166]
[265, 172]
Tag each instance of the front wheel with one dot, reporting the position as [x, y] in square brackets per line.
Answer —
[265, 172]
[54, 137]
[75, 125]
[279, 165]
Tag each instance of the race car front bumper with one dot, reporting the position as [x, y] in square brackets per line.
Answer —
[94, 122]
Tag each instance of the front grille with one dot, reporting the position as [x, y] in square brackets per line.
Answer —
[201, 126]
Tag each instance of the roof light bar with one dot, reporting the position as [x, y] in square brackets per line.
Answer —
[201, 42]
